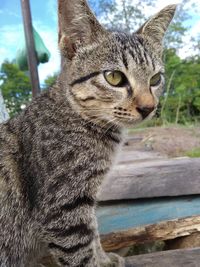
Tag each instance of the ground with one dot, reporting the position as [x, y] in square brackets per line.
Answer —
[172, 141]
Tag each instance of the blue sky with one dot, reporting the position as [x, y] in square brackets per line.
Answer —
[44, 14]
[11, 30]
[11, 12]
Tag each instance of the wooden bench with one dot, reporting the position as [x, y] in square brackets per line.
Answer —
[174, 258]
[149, 198]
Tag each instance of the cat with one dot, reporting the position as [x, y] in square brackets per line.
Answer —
[55, 154]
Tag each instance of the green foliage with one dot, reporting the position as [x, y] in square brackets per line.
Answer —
[15, 86]
[50, 80]
[181, 101]
[194, 153]
[124, 15]
[177, 29]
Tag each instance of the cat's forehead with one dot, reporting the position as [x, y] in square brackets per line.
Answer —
[137, 51]
[119, 51]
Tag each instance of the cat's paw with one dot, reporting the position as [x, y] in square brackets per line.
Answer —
[115, 260]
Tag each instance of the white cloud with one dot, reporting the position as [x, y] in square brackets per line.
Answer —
[50, 39]
[159, 4]
[10, 37]
[188, 49]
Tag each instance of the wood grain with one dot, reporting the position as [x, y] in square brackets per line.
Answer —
[160, 231]
[155, 178]
[175, 258]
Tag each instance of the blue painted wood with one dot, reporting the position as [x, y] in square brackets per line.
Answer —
[130, 214]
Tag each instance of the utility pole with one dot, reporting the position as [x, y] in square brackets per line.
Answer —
[30, 46]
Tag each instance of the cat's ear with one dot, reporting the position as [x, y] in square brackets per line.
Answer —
[156, 27]
[77, 26]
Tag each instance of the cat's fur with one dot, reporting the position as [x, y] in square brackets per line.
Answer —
[55, 154]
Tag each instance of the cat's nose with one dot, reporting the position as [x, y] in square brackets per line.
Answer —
[145, 111]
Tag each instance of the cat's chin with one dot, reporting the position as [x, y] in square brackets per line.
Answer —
[133, 122]
[129, 123]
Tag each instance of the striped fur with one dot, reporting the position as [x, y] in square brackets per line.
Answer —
[55, 154]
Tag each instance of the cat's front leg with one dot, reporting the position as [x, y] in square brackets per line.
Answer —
[74, 252]
[106, 259]
[70, 235]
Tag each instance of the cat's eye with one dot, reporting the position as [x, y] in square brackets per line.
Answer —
[115, 78]
[156, 79]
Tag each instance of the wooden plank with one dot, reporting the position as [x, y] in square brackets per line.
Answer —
[161, 231]
[175, 258]
[191, 241]
[129, 155]
[130, 214]
[168, 177]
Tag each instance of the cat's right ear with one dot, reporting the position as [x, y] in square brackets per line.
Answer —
[77, 26]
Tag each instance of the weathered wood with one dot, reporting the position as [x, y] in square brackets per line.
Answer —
[175, 258]
[156, 178]
[120, 216]
[161, 231]
[131, 156]
[191, 241]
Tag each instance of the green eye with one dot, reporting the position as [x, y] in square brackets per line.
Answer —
[115, 78]
[156, 79]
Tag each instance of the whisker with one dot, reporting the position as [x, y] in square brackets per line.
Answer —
[110, 126]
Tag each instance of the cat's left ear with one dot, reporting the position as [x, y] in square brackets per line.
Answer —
[156, 27]
[77, 26]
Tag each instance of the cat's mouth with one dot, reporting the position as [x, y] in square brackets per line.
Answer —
[129, 118]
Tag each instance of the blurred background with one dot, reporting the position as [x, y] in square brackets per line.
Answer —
[180, 103]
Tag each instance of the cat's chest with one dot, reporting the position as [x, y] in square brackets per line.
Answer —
[77, 161]
[75, 150]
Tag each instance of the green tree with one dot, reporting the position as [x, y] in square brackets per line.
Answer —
[123, 15]
[178, 29]
[15, 86]
[129, 15]
[181, 101]
[50, 80]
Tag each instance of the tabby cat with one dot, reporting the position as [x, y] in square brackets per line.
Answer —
[55, 154]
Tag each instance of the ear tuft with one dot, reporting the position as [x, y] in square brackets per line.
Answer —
[67, 48]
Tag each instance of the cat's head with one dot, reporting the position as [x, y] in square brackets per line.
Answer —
[111, 76]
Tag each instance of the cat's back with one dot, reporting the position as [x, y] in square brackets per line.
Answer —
[8, 154]
[11, 203]
[15, 135]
